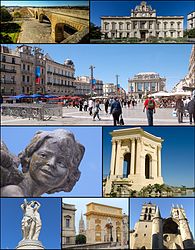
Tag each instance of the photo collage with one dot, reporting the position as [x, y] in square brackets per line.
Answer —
[97, 124]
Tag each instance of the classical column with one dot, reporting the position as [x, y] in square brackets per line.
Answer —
[132, 166]
[113, 159]
[159, 161]
[117, 165]
[138, 156]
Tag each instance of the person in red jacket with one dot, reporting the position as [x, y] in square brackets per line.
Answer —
[150, 107]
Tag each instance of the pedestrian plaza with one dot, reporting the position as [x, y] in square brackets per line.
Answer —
[131, 116]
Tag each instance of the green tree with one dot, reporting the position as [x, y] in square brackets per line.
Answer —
[189, 33]
[80, 239]
[5, 15]
[95, 32]
[17, 14]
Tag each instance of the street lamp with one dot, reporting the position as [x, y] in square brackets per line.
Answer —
[91, 68]
[117, 76]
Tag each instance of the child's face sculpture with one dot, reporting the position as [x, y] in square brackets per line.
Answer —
[49, 164]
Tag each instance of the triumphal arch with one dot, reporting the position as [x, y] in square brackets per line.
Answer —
[105, 224]
[135, 159]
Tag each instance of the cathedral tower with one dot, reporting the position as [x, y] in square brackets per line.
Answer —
[82, 226]
[141, 237]
[157, 239]
[186, 234]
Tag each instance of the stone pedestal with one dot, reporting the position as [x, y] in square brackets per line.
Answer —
[30, 244]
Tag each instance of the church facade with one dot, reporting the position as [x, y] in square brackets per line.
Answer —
[135, 160]
[154, 232]
[143, 23]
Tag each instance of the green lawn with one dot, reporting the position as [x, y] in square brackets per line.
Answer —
[12, 30]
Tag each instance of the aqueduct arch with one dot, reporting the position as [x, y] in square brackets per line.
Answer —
[65, 23]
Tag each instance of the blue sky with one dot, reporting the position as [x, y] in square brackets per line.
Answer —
[11, 216]
[165, 205]
[17, 138]
[177, 153]
[123, 8]
[46, 3]
[81, 205]
[170, 61]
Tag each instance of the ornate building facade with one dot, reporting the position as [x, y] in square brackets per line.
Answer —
[10, 72]
[191, 70]
[191, 20]
[26, 70]
[145, 82]
[135, 161]
[154, 232]
[68, 224]
[60, 77]
[106, 224]
[142, 23]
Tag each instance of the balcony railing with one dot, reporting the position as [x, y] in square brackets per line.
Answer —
[8, 70]
[7, 82]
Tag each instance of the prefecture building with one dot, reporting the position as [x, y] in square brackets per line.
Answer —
[142, 23]
[145, 82]
[135, 161]
[152, 231]
[191, 21]
[68, 224]
[106, 224]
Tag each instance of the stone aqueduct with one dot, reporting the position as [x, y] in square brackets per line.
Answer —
[76, 20]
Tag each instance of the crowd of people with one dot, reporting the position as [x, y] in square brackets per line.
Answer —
[183, 107]
[114, 107]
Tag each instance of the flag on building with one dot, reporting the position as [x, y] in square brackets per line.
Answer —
[38, 75]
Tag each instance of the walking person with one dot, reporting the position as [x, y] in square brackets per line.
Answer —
[85, 105]
[150, 107]
[191, 110]
[116, 111]
[106, 104]
[80, 105]
[97, 109]
[179, 107]
[90, 106]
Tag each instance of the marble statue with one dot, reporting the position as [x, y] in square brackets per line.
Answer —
[31, 222]
[49, 164]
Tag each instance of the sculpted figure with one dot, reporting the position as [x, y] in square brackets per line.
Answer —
[49, 164]
[31, 222]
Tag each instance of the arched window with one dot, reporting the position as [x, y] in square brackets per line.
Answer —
[126, 165]
[150, 210]
[145, 216]
[147, 166]
[146, 210]
[149, 217]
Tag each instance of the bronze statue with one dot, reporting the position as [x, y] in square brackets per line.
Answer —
[49, 164]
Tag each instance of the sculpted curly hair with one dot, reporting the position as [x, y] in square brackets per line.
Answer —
[74, 152]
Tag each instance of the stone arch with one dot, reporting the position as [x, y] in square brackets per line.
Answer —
[126, 165]
[36, 14]
[97, 233]
[63, 30]
[148, 166]
[109, 227]
[44, 18]
[118, 234]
